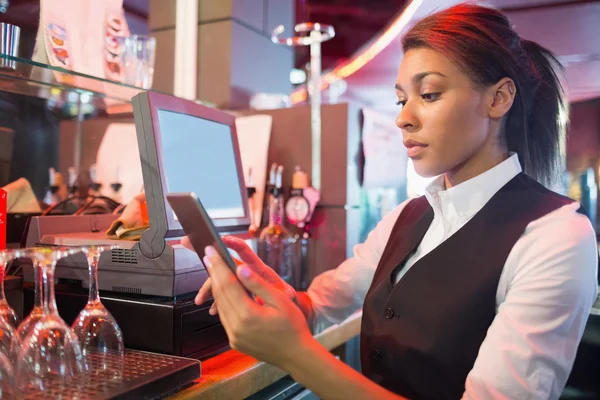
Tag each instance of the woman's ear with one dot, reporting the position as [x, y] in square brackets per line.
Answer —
[501, 95]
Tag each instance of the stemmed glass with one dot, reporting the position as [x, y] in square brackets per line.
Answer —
[50, 354]
[35, 315]
[8, 387]
[6, 311]
[9, 338]
[97, 330]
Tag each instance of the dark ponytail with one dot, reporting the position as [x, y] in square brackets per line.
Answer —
[544, 141]
[482, 42]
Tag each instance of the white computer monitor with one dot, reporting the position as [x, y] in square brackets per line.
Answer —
[188, 147]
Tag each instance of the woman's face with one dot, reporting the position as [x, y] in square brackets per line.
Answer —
[444, 119]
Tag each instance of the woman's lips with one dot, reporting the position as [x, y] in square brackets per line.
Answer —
[414, 148]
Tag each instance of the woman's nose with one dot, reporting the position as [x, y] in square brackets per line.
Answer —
[407, 119]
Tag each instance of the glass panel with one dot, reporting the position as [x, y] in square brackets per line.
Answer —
[30, 78]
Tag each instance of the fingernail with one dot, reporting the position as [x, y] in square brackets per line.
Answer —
[209, 251]
[206, 262]
[245, 271]
[197, 300]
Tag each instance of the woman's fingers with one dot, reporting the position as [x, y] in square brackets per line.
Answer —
[204, 293]
[242, 249]
[226, 288]
[263, 289]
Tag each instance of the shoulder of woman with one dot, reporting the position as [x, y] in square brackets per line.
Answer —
[561, 242]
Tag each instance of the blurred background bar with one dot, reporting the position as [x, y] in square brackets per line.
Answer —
[70, 159]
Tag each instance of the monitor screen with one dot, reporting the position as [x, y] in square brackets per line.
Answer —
[199, 156]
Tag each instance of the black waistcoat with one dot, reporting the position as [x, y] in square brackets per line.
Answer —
[420, 337]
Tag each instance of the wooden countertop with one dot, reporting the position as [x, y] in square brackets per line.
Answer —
[233, 375]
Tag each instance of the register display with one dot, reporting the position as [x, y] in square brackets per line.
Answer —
[199, 156]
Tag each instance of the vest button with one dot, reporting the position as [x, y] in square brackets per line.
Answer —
[376, 354]
[389, 313]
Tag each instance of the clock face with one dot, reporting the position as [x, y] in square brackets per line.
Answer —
[297, 209]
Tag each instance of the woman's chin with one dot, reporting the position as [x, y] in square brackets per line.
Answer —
[425, 170]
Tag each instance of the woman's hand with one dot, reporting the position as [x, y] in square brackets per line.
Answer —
[274, 331]
[252, 261]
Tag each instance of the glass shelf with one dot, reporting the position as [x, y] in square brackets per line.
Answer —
[30, 78]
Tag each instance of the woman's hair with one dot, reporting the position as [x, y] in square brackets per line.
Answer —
[481, 41]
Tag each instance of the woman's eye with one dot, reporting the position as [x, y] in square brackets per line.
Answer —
[430, 96]
[401, 103]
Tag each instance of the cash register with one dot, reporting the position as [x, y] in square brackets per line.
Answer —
[149, 285]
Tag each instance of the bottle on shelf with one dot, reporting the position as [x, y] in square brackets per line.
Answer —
[299, 209]
[276, 247]
[270, 186]
[253, 228]
[95, 186]
[52, 194]
[73, 181]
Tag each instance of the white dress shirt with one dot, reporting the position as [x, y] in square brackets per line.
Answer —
[544, 296]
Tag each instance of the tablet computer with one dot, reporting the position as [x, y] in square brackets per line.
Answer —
[198, 226]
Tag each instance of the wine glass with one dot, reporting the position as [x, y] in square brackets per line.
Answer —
[6, 311]
[8, 387]
[97, 330]
[9, 338]
[50, 354]
[36, 313]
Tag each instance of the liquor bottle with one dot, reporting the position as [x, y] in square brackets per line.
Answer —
[275, 245]
[269, 187]
[252, 209]
[73, 182]
[95, 186]
[52, 196]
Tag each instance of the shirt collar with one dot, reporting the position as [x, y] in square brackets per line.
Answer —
[470, 196]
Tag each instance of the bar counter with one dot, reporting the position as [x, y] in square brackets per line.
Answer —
[233, 375]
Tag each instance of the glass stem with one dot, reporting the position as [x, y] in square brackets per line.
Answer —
[3, 266]
[48, 287]
[38, 297]
[93, 296]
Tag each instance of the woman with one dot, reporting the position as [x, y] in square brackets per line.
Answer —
[481, 288]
